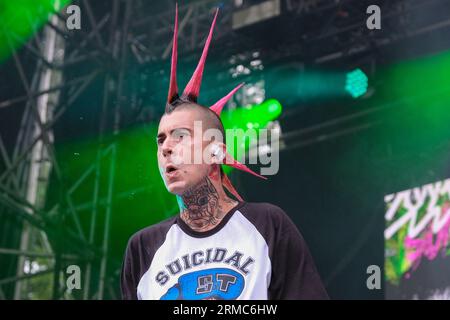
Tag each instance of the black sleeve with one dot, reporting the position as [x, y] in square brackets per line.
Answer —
[128, 277]
[294, 275]
[139, 254]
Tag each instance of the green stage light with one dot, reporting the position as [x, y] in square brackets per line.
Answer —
[255, 116]
[20, 19]
[356, 83]
[247, 122]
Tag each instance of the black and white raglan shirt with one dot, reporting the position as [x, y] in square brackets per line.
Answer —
[254, 253]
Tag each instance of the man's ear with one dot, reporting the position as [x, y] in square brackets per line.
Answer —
[218, 151]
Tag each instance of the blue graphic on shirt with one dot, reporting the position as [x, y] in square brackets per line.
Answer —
[209, 284]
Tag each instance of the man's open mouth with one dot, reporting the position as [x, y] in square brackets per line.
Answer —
[171, 169]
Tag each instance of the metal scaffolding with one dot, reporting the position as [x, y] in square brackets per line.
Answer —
[28, 168]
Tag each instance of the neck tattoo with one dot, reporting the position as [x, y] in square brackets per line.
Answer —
[201, 207]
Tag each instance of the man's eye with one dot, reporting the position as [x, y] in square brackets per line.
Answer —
[178, 135]
[159, 141]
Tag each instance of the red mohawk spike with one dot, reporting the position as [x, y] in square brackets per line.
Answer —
[193, 87]
[230, 161]
[218, 106]
[227, 184]
[173, 88]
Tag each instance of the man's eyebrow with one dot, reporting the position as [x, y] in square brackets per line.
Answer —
[181, 128]
[162, 134]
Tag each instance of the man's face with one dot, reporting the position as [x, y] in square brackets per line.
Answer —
[177, 146]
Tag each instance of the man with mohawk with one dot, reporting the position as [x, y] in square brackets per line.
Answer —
[216, 247]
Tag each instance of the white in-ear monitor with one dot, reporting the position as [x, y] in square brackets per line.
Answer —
[217, 151]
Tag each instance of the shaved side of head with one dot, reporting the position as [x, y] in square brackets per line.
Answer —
[210, 120]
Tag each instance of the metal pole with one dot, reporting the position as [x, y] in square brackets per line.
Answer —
[96, 185]
[107, 224]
